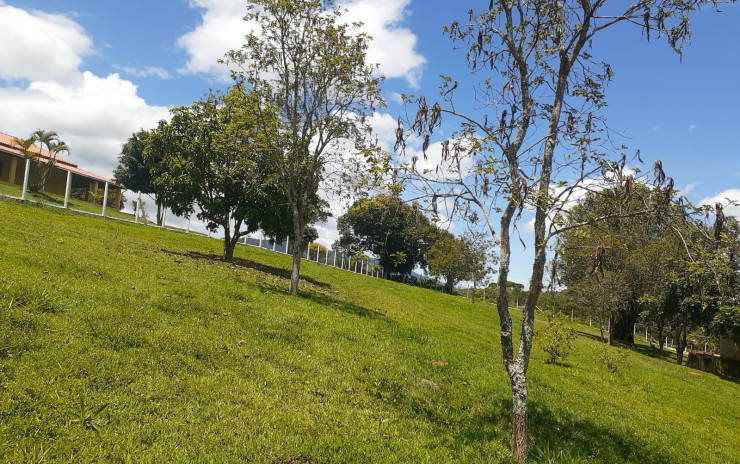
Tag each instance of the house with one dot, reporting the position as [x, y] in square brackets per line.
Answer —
[82, 184]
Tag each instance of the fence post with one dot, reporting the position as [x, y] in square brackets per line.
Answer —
[335, 259]
[287, 245]
[68, 189]
[25, 178]
[273, 245]
[326, 260]
[138, 210]
[105, 198]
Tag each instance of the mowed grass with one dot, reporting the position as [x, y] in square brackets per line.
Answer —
[58, 200]
[126, 343]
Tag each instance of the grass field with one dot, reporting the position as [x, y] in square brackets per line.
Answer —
[58, 200]
[126, 343]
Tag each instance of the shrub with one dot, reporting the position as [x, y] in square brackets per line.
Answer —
[555, 340]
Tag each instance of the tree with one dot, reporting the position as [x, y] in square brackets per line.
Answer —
[42, 140]
[460, 258]
[211, 157]
[397, 233]
[537, 143]
[137, 173]
[309, 67]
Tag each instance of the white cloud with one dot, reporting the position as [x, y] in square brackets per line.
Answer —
[146, 71]
[688, 188]
[94, 115]
[40, 46]
[692, 127]
[393, 47]
[223, 29]
[723, 197]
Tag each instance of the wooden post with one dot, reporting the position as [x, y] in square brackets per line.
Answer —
[25, 178]
[68, 189]
[105, 198]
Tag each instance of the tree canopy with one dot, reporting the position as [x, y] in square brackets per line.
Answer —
[310, 68]
[210, 156]
[399, 234]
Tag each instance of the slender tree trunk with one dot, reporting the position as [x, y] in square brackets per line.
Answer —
[520, 419]
[661, 340]
[680, 344]
[295, 274]
[623, 323]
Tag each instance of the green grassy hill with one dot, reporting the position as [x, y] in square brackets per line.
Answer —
[125, 343]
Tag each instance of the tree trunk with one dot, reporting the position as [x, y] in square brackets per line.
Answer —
[295, 274]
[449, 286]
[623, 324]
[680, 344]
[661, 340]
[519, 418]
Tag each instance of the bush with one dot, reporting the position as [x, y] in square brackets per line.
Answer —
[613, 358]
[556, 340]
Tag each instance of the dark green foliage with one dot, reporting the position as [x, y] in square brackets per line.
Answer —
[399, 234]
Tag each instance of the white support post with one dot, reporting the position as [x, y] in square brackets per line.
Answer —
[634, 330]
[287, 245]
[105, 198]
[138, 210]
[260, 242]
[646, 333]
[273, 245]
[342, 265]
[326, 259]
[25, 178]
[67, 189]
[308, 250]
[318, 252]
[335, 259]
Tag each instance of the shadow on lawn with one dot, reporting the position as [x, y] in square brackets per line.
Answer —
[556, 437]
[248, 264]
[315, 296]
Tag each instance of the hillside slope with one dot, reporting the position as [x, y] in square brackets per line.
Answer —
[125, 343]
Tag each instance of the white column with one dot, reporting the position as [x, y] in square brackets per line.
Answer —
[273, 245]
[287, 245]
[342, 265]
[68, 189]
[164, 215]
[105, 198]
[308, 250]
[326, 260]
[335, 258]
[25, 178]
[138, 209]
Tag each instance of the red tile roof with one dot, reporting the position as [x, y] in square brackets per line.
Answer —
[7, 144]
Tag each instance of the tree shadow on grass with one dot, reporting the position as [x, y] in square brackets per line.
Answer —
[248, 264]
[316, 295]
[554, 436]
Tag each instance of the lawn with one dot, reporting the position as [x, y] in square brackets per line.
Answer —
[126, 343]
[58, 200]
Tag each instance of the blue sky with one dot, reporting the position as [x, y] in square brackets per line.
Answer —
[95, 71]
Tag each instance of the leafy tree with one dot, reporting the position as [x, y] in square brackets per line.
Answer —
[537, 142]
[460, 258]
[211, 156]
[309, 67]
[32, 148]
[137, 173]
[397, 233]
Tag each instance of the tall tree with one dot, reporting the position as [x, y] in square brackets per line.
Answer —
[397, 233]
[136, 172]
[537, 142]
[210, 156]
[312, 70]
